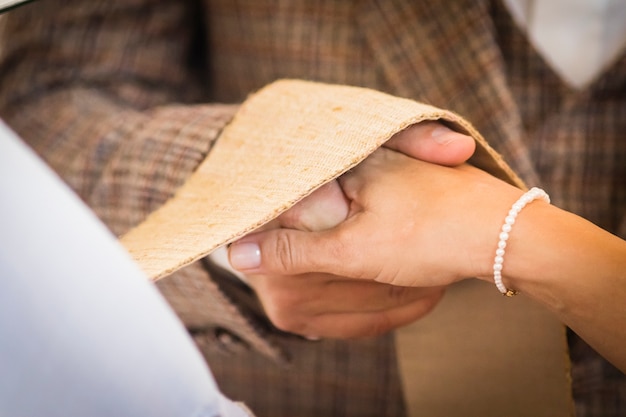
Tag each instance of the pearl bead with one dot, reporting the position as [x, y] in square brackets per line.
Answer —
[509, 221]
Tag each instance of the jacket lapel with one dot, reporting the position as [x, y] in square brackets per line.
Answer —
[446, 54]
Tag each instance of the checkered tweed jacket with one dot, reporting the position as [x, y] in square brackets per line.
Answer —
[120, 98]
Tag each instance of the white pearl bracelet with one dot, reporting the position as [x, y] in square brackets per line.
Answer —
[532, 194]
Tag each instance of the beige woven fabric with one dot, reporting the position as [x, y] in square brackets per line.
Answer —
[260, 168]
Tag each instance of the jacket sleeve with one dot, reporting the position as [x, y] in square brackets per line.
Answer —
[103, 91]
[108, 93]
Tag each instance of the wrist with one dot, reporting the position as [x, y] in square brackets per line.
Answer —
[517, 248]
[509, 221]
[482, 246]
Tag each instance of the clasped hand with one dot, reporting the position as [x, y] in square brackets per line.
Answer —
[371, 251]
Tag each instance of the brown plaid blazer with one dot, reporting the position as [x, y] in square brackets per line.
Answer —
[119, 97]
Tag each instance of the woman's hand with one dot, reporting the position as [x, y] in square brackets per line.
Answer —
[410, 223]
[417, 224]
[326, 304]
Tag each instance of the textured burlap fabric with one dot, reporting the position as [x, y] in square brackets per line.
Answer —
[260, 168]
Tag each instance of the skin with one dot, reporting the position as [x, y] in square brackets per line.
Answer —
[416, 224]
[315, 304]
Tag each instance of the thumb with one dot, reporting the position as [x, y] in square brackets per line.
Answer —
[287, 252]
[433, 142]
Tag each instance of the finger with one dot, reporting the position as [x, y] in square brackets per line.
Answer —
[433, 142]
[368, 175]
[312, 294]
[359, 325]
[345, 296]
[323, 209]
[294, 252]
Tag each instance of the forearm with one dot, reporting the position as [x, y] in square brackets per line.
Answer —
[575, 269]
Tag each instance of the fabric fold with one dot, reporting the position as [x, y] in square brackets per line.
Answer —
[286, 140]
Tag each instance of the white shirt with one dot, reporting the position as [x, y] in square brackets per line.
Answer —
[578, 38]
[82, 331]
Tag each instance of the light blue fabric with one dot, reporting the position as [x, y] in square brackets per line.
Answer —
[82, 331]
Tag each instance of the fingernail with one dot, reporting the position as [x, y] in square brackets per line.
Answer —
[441, 134]
[244, 256]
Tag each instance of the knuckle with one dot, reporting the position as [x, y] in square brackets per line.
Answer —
[380, 325]
[292, 217]
[283, 320]
[285, 252]
[290, 324]
[433, 300]
[282, 309]
[398, 294]
[284, 324]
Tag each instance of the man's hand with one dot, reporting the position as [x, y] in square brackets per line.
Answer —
[318, 305]
[327, 304]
